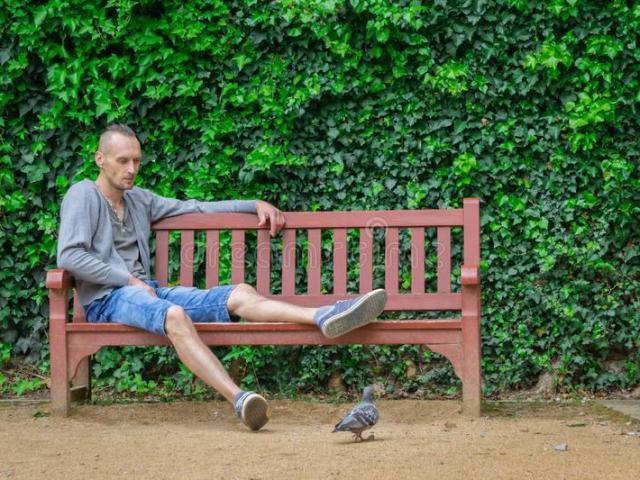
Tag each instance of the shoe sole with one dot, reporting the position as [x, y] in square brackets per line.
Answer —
[255, 412]
[364, 311]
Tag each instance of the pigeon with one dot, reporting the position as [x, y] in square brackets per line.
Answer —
[361, 417]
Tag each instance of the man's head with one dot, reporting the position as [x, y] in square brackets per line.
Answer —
[118, 156]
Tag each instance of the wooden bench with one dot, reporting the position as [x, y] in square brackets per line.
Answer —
[73, 341]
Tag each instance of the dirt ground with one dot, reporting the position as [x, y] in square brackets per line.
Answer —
[414, 439]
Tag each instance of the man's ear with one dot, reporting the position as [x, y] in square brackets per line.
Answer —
[99, 158]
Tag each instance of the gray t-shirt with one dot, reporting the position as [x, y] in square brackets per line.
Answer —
[126, 243]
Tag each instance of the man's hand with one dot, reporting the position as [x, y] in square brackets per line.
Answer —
[267, 213]
[136, 282]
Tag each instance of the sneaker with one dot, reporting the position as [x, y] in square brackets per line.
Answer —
[346, 315]
[252, 409]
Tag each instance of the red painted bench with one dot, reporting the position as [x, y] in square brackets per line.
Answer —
[73, 341]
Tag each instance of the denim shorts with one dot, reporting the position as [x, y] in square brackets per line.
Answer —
[134, 306]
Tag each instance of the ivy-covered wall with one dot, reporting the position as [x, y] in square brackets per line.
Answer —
[336, 105]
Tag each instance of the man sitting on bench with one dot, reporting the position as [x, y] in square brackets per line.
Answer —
[103, 241]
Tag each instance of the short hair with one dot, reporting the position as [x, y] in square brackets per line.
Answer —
[112, 129]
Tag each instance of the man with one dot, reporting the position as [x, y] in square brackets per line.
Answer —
[103, 241]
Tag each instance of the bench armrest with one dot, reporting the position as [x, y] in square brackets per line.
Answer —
[59, 278]
[470, 275]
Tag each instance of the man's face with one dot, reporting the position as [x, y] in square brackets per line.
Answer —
[119, 160]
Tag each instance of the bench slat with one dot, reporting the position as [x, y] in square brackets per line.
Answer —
[288, 262]
[162, 257]
[444, 259]
[78, 310]
[395, 302]
[391, 260]
[314, 260]
[212, 258]
[434, 332]
[263, 267]
[471, 237]
[237, 256]
[186, 258]
[381, 325]
[366, 260]
[340, 261]
[306, 220]
[417, 260]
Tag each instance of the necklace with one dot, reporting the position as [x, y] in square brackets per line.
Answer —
[119, 220]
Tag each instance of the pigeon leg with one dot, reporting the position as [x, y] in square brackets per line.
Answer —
[358, 437]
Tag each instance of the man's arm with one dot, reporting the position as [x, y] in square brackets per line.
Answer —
[162, 207]
[77, 226]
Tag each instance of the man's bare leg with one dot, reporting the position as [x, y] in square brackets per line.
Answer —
[333, 320]
[197, 356]
[245, 302]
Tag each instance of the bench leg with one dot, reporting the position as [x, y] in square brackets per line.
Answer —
[472, 379]
[60, 392]
[58, 351]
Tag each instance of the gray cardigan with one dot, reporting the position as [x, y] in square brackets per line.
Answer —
[85, 239]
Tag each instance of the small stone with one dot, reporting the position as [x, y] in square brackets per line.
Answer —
[411, 370]
[563, 447]
[335, 382]
[546, 385]
[449, 425]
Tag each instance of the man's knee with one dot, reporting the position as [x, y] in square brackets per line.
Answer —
[241, 295]
[177, 322]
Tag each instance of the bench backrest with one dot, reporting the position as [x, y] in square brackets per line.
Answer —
[339, 222]
[367, 222]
